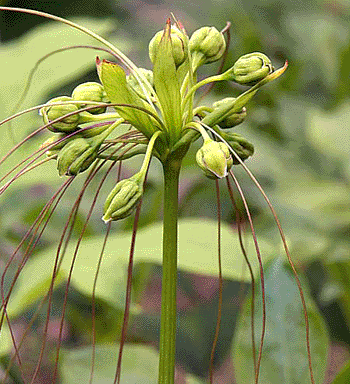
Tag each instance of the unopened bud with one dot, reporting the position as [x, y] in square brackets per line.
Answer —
[251, 68]
[123, 199]
[214, 159]
[75, 157]
[134, 84]
[178, 43]
[67, 124]
[208, 44]
[241, 146]
[90, 91]
[231, 119]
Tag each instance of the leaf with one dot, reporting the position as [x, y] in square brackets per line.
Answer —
[284, 356]
[167, 86]
[118, 91]
[197, 254]
[31, 286]
[140, 364]
[17, 60]
[197, 251]
[329, 131]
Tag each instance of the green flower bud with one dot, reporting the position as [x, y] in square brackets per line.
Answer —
[69, 123]
[76, 156]
[90, 91]
[208, 44]
[231, 119]
[214, 159]
[55, 149]
[251, 68]
[134, 84]
[123, 199]
[178, 43]
[242, 147]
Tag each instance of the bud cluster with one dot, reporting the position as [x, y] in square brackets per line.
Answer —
[75, 152]
[68, 114]
[158, 102]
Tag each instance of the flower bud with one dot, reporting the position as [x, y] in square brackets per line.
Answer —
[178, 43]
[90, 91]
[251, 68]
[231, 119]
[75, 157]
[134, 84]
[214, 159]
[208, 43]
[242, 147]
[54, 149]
[69, 123]
[123, 199]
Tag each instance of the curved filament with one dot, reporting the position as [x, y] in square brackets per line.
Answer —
[218, 321]
[238, 221]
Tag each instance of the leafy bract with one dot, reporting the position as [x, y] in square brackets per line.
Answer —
[113, 78]
[167, 85]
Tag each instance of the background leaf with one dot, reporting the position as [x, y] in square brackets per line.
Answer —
[284, 357]
[140, 365]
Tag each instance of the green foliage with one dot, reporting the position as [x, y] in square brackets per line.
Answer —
[196, 249]
[140, 364]
[284, 356]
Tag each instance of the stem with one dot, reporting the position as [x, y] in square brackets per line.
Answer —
[171, 169]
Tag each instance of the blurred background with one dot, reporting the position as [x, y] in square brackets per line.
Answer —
[299, 125]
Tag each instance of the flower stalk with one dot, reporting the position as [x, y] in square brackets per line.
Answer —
[171, 172]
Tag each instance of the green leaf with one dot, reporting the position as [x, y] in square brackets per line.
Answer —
[197, 254]
[31, 285]
[284, 356]
[329, 131]
[344, 375]
[140, 365]
[18, 58]
[167, 86]
[118, 91]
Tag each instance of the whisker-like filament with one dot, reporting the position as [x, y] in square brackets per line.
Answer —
[239, 228]
[127, 295]
[262, 279]
[30, 248]
[94, 303]
[218, 321]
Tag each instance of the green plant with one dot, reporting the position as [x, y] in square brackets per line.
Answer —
[160, 105]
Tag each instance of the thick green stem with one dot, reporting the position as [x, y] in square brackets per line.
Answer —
[168, 315]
